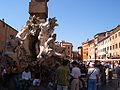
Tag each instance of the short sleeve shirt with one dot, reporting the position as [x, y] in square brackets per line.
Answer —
[94, 73]
[62, 74]
[76, 73]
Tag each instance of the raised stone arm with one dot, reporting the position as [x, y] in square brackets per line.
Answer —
[52, 22]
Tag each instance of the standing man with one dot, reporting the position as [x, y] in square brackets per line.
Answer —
[26, 77]
[76, 73]
[62, 74]
[118, 74]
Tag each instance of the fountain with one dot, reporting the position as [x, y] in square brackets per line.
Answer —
[34, 45]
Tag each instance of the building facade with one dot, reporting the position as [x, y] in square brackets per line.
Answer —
[5, 32]
[91, 49]
[109, 46]
[68, 49]
[80, 52]
[105, 45]
[75, 55]
[85, 46]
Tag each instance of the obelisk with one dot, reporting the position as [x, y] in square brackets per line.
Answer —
[39, 8]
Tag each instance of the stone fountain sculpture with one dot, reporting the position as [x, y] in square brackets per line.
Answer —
[35, 44]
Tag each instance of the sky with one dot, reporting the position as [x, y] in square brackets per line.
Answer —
[78, 20]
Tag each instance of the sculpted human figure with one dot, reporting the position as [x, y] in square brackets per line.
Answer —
[28, 35]
[47, 29]
[23, 36]
[48, 47]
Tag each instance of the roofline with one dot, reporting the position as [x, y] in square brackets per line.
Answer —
[110, 34]
[8, 25]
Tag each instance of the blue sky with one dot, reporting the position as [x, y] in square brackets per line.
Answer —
[77, 19]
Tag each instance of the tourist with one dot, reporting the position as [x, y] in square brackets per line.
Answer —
[110, 74]
[36, 81]
[83, 70]
[53, 75]
[26, 77]
[8, 71]
[118, 73]
[1, 77]
[76, 73]
[15, 73]
[103, 75]
[62, 74]
[93, 75]
[6, 75]
[107, 73]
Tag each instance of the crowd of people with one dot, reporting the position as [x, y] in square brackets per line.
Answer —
[66, 75]
[85, 75]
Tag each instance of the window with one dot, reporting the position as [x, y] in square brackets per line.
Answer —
[116, 46]
[68, 52]
[112, 37]
[119, 33]
[119, 45]
[113, 46]
[110, 55]
[87, 54]
[110, 47]
[68, 47]
[107, 48]
[115, 35]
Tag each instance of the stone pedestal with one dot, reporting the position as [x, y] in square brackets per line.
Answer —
[38, 8]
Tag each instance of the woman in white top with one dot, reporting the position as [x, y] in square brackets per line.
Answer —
[93, 74]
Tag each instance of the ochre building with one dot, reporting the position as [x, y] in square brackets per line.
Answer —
[68, 49]
[5, 32]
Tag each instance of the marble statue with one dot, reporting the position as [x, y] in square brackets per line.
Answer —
[35, 42]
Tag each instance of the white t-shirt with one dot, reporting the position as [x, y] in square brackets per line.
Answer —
[36, 82]
[76, 73]
[94, 73]
[26, 75]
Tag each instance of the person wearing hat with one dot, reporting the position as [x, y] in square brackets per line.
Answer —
[93, 75]
[76, 73]
[62, 74]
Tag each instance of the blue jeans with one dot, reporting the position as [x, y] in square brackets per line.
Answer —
[59, 87]
[92, 84]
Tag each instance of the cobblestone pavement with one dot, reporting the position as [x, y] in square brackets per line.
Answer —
[110, 85]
